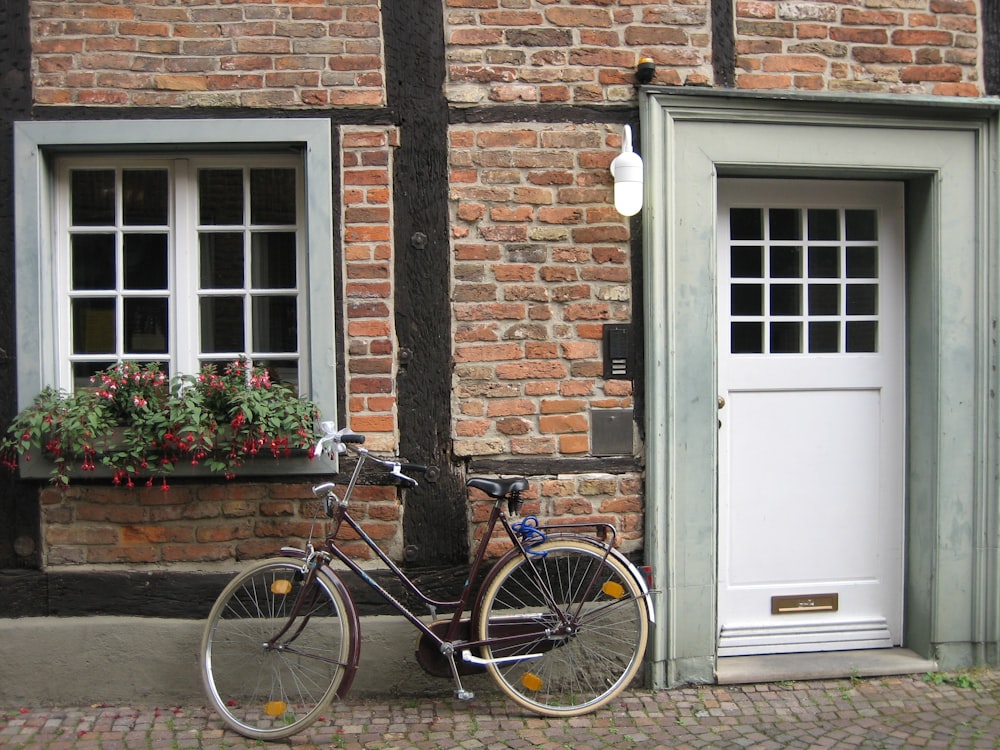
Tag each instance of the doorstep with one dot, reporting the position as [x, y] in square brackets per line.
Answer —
[734, 670]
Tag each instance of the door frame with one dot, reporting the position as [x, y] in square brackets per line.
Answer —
[946, 154]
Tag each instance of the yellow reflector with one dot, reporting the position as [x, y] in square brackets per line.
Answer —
[531, 681]
[613, 589]
[281, 587]
[274, 708]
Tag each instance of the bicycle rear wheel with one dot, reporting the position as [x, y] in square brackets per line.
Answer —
[577, 623]
[269, 687]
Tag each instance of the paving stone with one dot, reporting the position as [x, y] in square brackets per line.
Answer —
[877, 713]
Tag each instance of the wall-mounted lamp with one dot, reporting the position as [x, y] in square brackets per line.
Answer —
[626, 169]
[645, 71]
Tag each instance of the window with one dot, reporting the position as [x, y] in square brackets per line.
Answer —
[137, 238]
[181, 242]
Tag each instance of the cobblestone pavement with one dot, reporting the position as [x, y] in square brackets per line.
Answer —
[932, 711]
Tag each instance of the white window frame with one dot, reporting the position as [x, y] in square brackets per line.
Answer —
[183, 345]
[37, 145]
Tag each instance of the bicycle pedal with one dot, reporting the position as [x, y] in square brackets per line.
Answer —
[464, 695]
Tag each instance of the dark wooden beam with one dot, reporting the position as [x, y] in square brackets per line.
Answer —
[723, 43]
[991, 47]
[434, 523]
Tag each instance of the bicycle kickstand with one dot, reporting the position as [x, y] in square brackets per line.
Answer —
[448, 649]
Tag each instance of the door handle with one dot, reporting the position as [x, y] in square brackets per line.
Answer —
[722, 402]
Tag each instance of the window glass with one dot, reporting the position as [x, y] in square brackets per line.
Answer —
[144, 197]
[222, 325]
[92, 265]
[145, 261]
[272, 196]
[220, 196]
[221, 260]
[273, 260]
[92, 197]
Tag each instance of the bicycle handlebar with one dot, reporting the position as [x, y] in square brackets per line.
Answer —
[343, 440]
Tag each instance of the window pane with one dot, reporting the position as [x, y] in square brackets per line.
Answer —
[824, 299]
[144, 197]
[275, 324]
[282, 371]
[747, 338]
[824, 263]
[92, 197]
[272, 196]
[824, 337]
[273, 264]
[786, 299]
[862, 263]
[862, 299]
[83, 371]
[786, 338]
[93, 323]
[786, 262]
[862, 336]
[824, 224]
[222, 324]
[93, 261]
[746, 262]
[146, 325]
[220, 196]
[222, 261]
[747, 299]
[861, 224]
[785, 223]
[145, 261]
[746, 224]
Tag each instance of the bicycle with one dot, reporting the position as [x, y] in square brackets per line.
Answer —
[560, 622]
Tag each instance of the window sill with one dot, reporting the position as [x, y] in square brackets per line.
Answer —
[266, 467]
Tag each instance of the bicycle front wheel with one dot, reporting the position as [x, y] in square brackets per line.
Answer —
[267, 684]
[570, 626]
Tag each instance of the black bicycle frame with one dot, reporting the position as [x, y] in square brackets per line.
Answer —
[339, 514]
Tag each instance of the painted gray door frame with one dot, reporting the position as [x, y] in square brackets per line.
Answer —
[946, 153]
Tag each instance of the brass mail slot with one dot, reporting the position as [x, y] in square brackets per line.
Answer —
[787, 605]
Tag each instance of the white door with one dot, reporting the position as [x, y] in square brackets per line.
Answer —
[811, 432]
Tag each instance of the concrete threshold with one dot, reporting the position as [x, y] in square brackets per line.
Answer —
[735, 670]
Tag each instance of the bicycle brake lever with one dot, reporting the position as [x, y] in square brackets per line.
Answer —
[397, 473]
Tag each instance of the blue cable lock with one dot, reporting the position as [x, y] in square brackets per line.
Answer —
[531, 535]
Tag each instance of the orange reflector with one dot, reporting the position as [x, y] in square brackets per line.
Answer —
[613, 589]
[281, 587]
[531, 681]
[274, 708]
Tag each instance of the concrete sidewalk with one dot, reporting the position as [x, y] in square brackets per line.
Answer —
[936, 711]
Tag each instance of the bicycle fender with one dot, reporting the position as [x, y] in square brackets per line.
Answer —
[353, 621]
[633, 571]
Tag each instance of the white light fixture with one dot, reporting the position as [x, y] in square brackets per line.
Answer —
[626, 169]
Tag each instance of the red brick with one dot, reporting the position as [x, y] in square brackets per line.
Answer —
[912, 37]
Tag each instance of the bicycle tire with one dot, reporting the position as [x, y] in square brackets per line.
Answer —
[579, 671]
[270, 694]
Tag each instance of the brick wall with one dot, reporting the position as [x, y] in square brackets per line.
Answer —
[541, 262]
[581, 52]
[366, 177]
[328, 53]
[266, 53]
[880, 46]
[218, 523]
